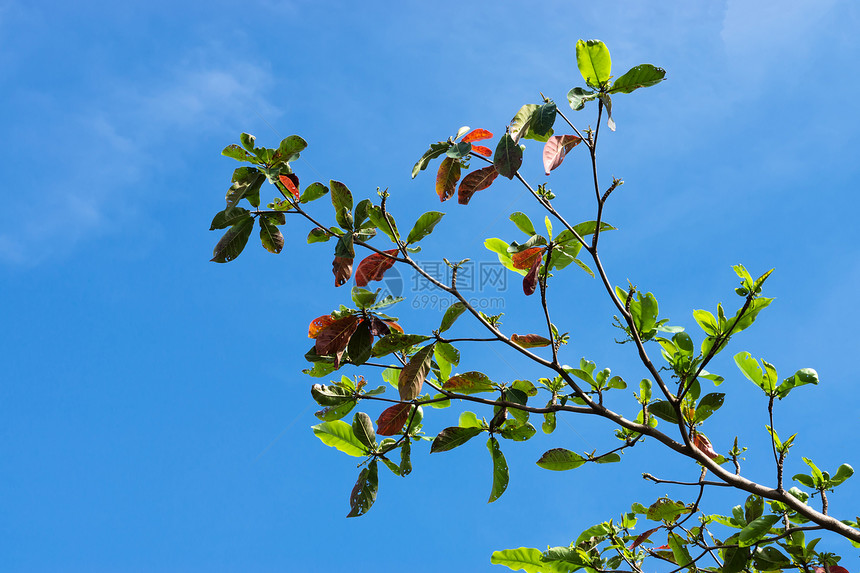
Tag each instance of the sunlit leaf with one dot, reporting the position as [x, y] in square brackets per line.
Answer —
[469, 383]
[640, 76]
[397, 341]
[237, 153]
[291, 183]
[424, 226]
[338, 434]
[481, 150]
[757, 529]
[332, 340]
[594, 62]
[362, 427]
[474, 182]
[578, 96]
[556, 149]
[477, 135]
[530, 280]
[436, 149]
[526, 259]
[524, 558]
[560, 459]
[318, 324]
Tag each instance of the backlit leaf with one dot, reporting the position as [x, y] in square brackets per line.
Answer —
[500, 470]
[237, 153]
[229, 217]
[474, 182]
[578, 96]
[424, 226]
[412, 376]
[477, 135]
[397, 341]
[530, 340]
[451, 314]
[373, 268]
[338, 434]
[341, 198]
[560, 459]
[530, 280]
[384, 223]
[270, 235]
[524, 558]
[526, 259]
[318, 324]
[594, 62]
[436, 149]
[333, 339]
[757, 529]
[391, 420]
[291, 182]
[362, 427]
[447, 177]
[556, 149]
[469, 383]
[312, 192]
[641, 76]
[508, 157]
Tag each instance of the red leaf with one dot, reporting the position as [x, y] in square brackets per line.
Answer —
[318, 324]
[332, 340]
[530, 340]
[556, 148]
[833, 569]
[342, 269]
[481, 150]
[530, 280]
[291, 182]
[477, 135]
[469, 383]
[474, 182]
[373, 267]
[394, 325]
[638, 541]
[446, 178]
[391, 420]
[525, 259]
[704, 445]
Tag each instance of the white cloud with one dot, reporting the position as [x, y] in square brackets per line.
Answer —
[109, 147]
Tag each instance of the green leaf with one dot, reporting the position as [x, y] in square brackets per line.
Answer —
[522, 121]
[448, 353]
[339, 435]
[665, 509]
[518, 433]
[384, 223]
[364, 493]
[246, 185]
[237, 153]
[292, 145]
[450, 438]
[560, 459]
[641, 76]
[469, 383]
[750, 368]
[595, 65]
[578, 96]
[500, 470]
[341, 199]
[412, 376]
[451, 314]
[313, 192]
[395, 342]
[360, 344]
[770, 559]
[500, 247]
[756, 530]
[801, 377]
[663, 410]
[362, 427]
[709, 404]
[549, 422]
[707, 322]
[508, 157]
[753, 508]
[735, 559]
[523, 223]
[608, 458]
[270, 235]
[843, 472]
[332, 413]
[436, 149]
[330, 395]
[318, 235]
[405, 458]
[233, 242]
[644, 310]
[524, 558]
[229, 217]
[543, 119]
[805, 480]
[424, 226]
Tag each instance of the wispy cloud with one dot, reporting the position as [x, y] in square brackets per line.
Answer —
[108, 147]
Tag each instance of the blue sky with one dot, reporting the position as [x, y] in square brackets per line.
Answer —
[153, 416]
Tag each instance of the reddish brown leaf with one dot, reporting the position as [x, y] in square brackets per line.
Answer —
[481, 150]
[474, 182]
[469, 383]
[291, 182]
[638, 541]
[525, 259]
[342, 269]
[332, 340]
[391, 420]
[556, 148]
[412, 376]
[394, 325]
[318, 324]
[477, 135]
[378, 327]
[446, 178]
[530, 280]
[833, 569]
[530, 340]
[373, 267]
[704, 445]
